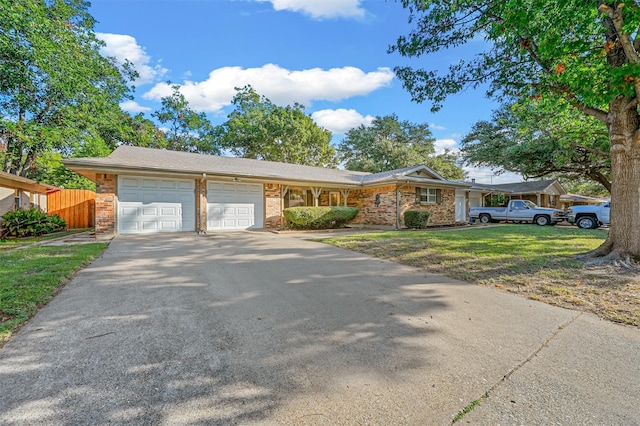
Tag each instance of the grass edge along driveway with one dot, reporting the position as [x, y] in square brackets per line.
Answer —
[531, 261]
[31, 276]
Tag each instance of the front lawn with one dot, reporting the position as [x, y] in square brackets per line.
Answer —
[533, 261]
[31, 276]
[19, 242]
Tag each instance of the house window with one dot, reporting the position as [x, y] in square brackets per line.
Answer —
[334, 198]
[298, 197]
[428, 195]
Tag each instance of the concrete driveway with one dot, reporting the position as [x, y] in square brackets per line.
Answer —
[254, 328]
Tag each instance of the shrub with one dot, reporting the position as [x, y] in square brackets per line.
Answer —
[416, 219]
[319, 217]
[29, 223]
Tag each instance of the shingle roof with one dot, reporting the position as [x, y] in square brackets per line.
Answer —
[517, 187]
[155, 160]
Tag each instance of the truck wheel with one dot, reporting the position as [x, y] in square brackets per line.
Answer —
[485, 218]
[542, 220]
[587, 222]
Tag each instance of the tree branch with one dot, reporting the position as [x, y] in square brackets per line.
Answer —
[625, 40]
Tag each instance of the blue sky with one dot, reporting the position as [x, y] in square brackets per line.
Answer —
[329, 55]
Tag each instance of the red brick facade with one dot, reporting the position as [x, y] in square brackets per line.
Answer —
[383, 213]
[105, 205]
[378, 206]
[273, 206]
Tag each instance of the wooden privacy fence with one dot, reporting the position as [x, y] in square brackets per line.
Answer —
[75, 206]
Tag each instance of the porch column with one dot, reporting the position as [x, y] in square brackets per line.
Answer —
[538, 197]
[316, 195]
[345, 194]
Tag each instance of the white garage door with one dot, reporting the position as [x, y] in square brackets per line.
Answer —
[232, 205]
[155, 205]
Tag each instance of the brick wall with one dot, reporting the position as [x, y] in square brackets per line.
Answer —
[105, 205]
[272, 206]
[201, 206]
[443, 213]
[385, 213]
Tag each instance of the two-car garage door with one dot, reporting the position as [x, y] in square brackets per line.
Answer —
[147, 205]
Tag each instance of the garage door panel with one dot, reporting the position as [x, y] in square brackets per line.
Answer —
[233, 205]
[149, 205]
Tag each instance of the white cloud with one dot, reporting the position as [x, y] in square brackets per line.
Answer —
[435, 126]
[442, 144]
[487, 175]
[133, 106]
[280, 85]
[319, 9]
[340, 121]
[125, 47]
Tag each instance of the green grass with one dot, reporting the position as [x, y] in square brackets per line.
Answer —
[534, 261]
[10, 243]
[32, 276]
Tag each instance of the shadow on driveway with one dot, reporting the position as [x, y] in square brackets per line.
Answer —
[255, 328]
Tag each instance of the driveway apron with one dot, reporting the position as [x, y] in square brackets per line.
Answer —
[254, 328]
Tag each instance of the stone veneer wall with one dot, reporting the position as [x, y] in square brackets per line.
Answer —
[272, 206]
[105, 205]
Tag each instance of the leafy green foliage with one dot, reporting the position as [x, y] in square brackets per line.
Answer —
[389, 144]
[57, 92]
[319, 217]
[416, 219]
[49, 169]
[579, 54]
[188, 130]
[539, 139]
[259, 129]
[31, 276]
[534, 48]
[29, 223]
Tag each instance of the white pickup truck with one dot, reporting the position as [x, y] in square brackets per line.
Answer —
[589, 217]
[518, 211]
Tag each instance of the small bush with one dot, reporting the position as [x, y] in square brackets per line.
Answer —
[416, 219]
[319, 217]
[30, 223]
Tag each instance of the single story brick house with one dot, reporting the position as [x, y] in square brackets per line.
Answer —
[144, 190]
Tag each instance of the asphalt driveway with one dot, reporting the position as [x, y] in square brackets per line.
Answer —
[255, 328]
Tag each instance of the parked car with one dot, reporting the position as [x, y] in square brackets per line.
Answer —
[518, 211]
[589, 217]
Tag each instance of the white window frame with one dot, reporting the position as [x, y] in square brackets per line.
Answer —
[428, 195]
[337, 195]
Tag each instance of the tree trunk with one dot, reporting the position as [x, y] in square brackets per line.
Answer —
[624, 134]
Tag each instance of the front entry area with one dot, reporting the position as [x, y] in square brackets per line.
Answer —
[234, 205]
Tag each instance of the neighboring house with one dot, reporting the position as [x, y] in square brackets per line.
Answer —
[568, 200]
[143, 190]
[544, 193]
[20, 192]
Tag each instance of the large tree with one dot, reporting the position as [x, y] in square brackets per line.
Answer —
[187, 130]
[56, 89]
[537, 139]
[259, 129]
[581, 52]
[388, 144]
